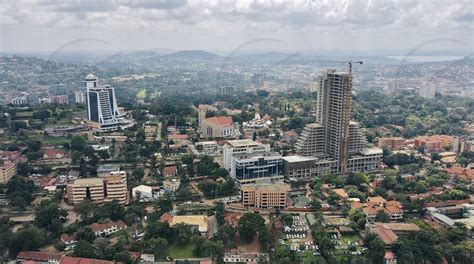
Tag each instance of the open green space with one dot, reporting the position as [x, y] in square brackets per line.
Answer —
[181, 251]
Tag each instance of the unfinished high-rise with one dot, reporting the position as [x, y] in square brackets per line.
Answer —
[325, 139]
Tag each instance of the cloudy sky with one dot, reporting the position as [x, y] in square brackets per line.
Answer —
[293, 25]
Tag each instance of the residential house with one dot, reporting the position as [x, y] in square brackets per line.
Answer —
[106, 229]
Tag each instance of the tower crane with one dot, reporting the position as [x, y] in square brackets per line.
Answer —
[347, 117]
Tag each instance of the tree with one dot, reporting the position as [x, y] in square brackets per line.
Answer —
[50, 216]
[27, 239]
[182, 232]
[85, 234]
[78, 143]
[249, 225]
[254, 137]
[287, 219]
[376, 248]
[435, 157]
[159, 229]
[156, 246]
[103, 154]
[220, 213]
[84, 249]
[382, 217]
[165, 203]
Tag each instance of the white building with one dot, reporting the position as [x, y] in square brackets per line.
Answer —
[80, 97]
[19, 100]
[241, 146]
[144, 193]
[172, 184]
[428, 91]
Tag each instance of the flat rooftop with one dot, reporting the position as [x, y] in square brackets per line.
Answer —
[265, 187]
[298, 158]
[242, 143]
[88, 182]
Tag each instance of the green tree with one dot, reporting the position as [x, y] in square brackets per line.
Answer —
[249, 225]
[376, 248]
[78, 143]
[84, 249]
[27, 239]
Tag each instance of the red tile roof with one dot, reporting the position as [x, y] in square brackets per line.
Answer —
[38, 256]
[99, 227]
[177, 137]
[72, 260]
[387, 235]
[220, 120]
[166, 217]
[170, 170]
[66, 238]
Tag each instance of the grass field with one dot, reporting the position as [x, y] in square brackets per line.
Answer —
[141, 94]
[181, 251]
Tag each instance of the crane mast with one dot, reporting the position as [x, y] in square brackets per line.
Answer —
[347, 118]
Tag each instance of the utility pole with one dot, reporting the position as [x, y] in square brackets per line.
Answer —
[347, 118]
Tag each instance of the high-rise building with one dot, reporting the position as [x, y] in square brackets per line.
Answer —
[325, 139]
[101, 104]
[428, 91]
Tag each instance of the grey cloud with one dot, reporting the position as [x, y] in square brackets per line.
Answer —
[154, 4]
[81, 5]
[469, 18]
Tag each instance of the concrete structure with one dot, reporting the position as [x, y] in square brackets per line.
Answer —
[80, 97]
[217, 126]
[393, 143]
[144, 193]
[7, 171]
[99, 190]
[241, 257]
[257, 168]
[59, 99]
[106, 169]
[264, 196]
[102, 108]
[172, 184]
[435, 143]
[208, 148]
[241, 146]
[428, 91]
[19, 100]
[325, 138]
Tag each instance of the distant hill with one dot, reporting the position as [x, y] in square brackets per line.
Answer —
[192, 55]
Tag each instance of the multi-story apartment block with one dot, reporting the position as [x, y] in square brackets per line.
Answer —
[264, 196]
[393, 143]
[99, 190]
[7, 171]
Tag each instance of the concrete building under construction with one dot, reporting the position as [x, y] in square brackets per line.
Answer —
[333, 148]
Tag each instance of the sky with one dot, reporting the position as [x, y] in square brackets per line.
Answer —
[313, 25]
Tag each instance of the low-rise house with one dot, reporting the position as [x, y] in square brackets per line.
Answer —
[199, 222]
[172, 184]
[42, 257]
[290, 136]
[53, 154]
[241, 257]
[144, 193]
[170, 171]
[389, 232]
[73, 260]
[394, 209]
[108, 228]
[69, 241]
[176, 139]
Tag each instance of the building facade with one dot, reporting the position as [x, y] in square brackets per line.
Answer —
[99, 190]
[325, 139]
[241, 146]
[102, 106]
[264, 196]
[7, 171]
[257, 168]
[216, 126]
[393, 143]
